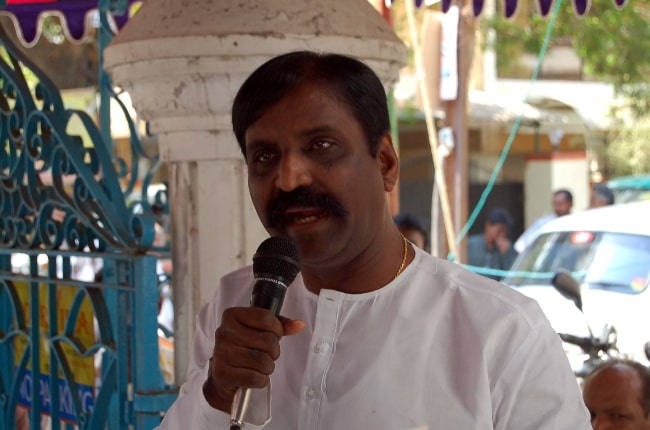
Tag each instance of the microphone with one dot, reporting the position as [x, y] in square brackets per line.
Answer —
[275, 265]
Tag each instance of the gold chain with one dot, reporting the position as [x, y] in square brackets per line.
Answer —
[401, 266]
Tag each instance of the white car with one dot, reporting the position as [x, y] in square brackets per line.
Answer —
[607, 250]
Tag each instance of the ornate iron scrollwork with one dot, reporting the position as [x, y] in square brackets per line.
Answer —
[54, 187]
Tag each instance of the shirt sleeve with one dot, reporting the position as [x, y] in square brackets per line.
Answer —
[191, 411]
[537, 389]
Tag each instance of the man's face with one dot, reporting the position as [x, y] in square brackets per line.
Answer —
[561, 205]
[312, 179]
[597, 201]
[613, 398]
[493, 231]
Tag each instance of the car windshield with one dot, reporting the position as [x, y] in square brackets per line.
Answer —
[611, 261]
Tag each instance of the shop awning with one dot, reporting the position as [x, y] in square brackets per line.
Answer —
[75, 16]
[510, 7]
[27, 14]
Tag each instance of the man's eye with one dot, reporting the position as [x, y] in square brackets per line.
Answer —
[262, 157]
[322, 145]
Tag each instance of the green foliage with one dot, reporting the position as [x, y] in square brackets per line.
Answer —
[613, 46]
[612, 43]
[629, 153]
[52, 29]
[638, 97]
[30, 77]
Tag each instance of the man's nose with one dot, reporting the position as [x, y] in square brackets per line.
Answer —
[294, 172]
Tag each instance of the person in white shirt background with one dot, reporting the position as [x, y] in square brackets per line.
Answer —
[562, 205]
[375, 333]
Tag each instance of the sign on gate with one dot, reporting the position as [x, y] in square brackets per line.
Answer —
[83, 368]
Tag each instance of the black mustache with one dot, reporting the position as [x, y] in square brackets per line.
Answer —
[303, 197]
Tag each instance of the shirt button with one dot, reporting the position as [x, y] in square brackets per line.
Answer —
[311, 393]
[321, 347]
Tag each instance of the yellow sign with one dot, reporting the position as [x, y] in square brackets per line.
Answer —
[83, 368]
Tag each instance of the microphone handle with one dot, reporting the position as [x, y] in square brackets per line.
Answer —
[239, 406]
[268, 293]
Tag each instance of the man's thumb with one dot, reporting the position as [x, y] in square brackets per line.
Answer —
[291, 326]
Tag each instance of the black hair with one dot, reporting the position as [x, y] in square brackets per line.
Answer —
[349, 80]
[605, 193]
[567, 194]
[642, 371]
[406, 220]
[500, 216]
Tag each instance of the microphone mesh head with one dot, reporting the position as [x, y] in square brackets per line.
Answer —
[277, 258]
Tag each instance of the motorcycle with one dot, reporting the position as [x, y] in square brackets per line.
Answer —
[595, 349]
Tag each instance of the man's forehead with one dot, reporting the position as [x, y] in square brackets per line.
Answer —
[617, 375]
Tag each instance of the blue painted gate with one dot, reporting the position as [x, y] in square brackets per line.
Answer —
[79, 284]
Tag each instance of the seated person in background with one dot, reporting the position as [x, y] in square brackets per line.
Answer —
[617, 394]
[492, 249]
[412, 229]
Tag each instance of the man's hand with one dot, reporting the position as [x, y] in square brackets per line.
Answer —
[503, 244]
[246, 346]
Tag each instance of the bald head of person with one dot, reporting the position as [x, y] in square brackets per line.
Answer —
[617, 394]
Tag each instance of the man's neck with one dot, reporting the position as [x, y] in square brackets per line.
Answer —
[362, 275]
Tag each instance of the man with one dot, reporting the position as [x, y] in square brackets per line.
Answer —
[492, 249]
[601, 196]
[562, 205]
[412, 228]
[375, 334]
[617, 394]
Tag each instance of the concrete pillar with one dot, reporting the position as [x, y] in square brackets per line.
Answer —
[182, 62]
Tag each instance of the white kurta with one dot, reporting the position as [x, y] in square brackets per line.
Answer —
[437, 348]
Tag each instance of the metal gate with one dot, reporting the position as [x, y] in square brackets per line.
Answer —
[76, 351]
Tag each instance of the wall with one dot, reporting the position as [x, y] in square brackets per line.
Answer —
[546, 173]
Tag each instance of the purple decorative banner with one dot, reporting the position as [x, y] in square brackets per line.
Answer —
[477, 6]
[510, 7]
[544, 7]
[581, 7]
[26, 15]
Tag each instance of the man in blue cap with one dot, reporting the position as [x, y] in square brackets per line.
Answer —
[492, 249]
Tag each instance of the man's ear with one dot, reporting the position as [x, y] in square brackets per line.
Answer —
[388, 162]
